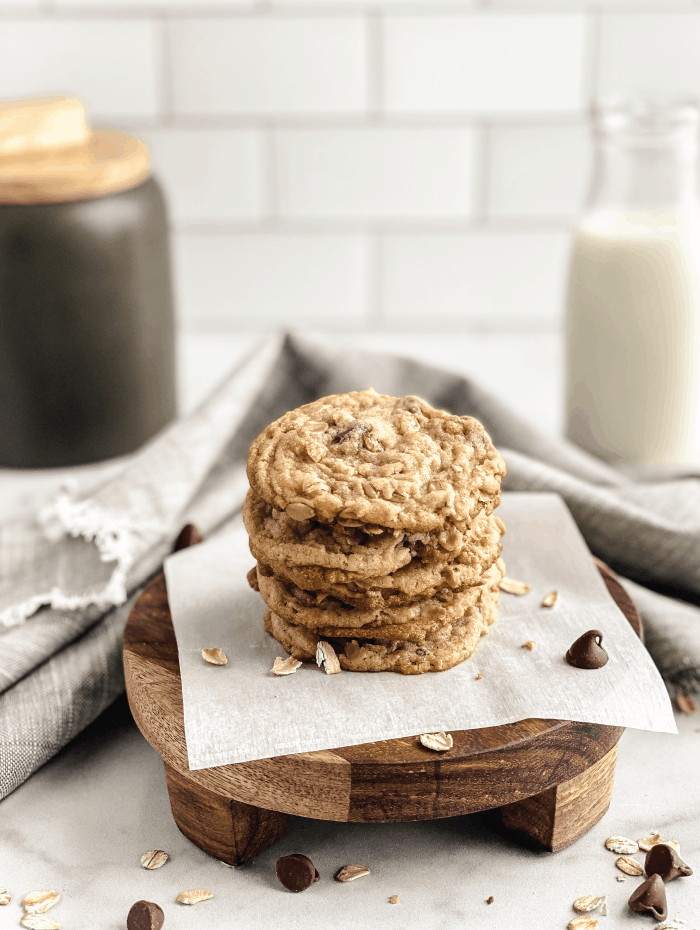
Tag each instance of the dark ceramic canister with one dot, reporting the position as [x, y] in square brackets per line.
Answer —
[87, 367]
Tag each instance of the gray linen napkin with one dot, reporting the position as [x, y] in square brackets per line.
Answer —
[87, 560]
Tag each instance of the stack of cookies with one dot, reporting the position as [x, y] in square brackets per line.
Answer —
[371, 520]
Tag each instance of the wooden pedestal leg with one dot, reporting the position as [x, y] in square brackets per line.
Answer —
[560, 815]
[230, 830]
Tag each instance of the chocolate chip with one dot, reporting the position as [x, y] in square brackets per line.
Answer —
[189, 536]
[663, 860]
[296, 872]
[145, 915]
[651, 897]
[587, 651]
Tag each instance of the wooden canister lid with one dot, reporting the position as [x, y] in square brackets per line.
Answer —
[48, 154]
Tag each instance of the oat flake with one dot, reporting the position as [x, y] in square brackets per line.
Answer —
[214, 656]
[38, 902]
[629, 865]
[648, 841]
[154, 859]
[621, 845]
[285, 666]
[583, 923]
[590, 902]
[39, 922]
[511, 586]
[194, 897]
[439, 742]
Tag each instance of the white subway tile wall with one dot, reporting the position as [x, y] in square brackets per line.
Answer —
[359, 164]
[484, 63]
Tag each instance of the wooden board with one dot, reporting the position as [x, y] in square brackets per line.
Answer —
[234, 811]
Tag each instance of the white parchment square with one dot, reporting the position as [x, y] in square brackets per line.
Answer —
[241, 712]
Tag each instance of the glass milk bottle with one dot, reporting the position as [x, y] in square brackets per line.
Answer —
[634, 292]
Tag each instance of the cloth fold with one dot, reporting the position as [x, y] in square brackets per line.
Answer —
[67, 577]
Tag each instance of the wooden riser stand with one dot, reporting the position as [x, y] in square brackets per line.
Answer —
[551, 779]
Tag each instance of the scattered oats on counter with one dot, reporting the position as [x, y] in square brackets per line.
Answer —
[589, 902]
[39, 922]
[686, 705]
[194, 896]
[621, 878]
[394, 899]
[551, 599]
[583, 923]
[439, 742]
[38, 902]
[349, 873]
[648, 841]
[325, 655]
[621, 845]
[479, 676]
[154, 859]
[285, 666]
[530, 644]
[511, 586]
[5, 896]
[629, 865]
[214, 656]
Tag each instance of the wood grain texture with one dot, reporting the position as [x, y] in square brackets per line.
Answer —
[230, 830]
[383, 781]
[621, 597]
[559, 816]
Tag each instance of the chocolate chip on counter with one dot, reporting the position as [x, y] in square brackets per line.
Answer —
[145, 915]
[587, 651]
[296, 872]
[663, 860]
[651, 897]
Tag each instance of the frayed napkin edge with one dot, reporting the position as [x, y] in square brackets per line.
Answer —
[113, 538]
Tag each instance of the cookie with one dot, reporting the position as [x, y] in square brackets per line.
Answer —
[417, 579]
[487, 608]
[316, 610]
[275, 537]
[369, 458]
[457, 643]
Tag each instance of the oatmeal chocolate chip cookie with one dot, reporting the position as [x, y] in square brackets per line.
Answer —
[317, 610]
[417, 579]
[368, 458]
[364, 550]
[275, 538]
[436, 653]
[416, 632]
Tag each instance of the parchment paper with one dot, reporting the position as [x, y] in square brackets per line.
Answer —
[241, 712]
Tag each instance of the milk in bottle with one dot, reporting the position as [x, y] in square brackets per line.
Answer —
[633, 392]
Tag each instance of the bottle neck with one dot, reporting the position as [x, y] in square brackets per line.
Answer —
[644, 177]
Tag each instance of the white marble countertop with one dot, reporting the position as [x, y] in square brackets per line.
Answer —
[80, 824]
